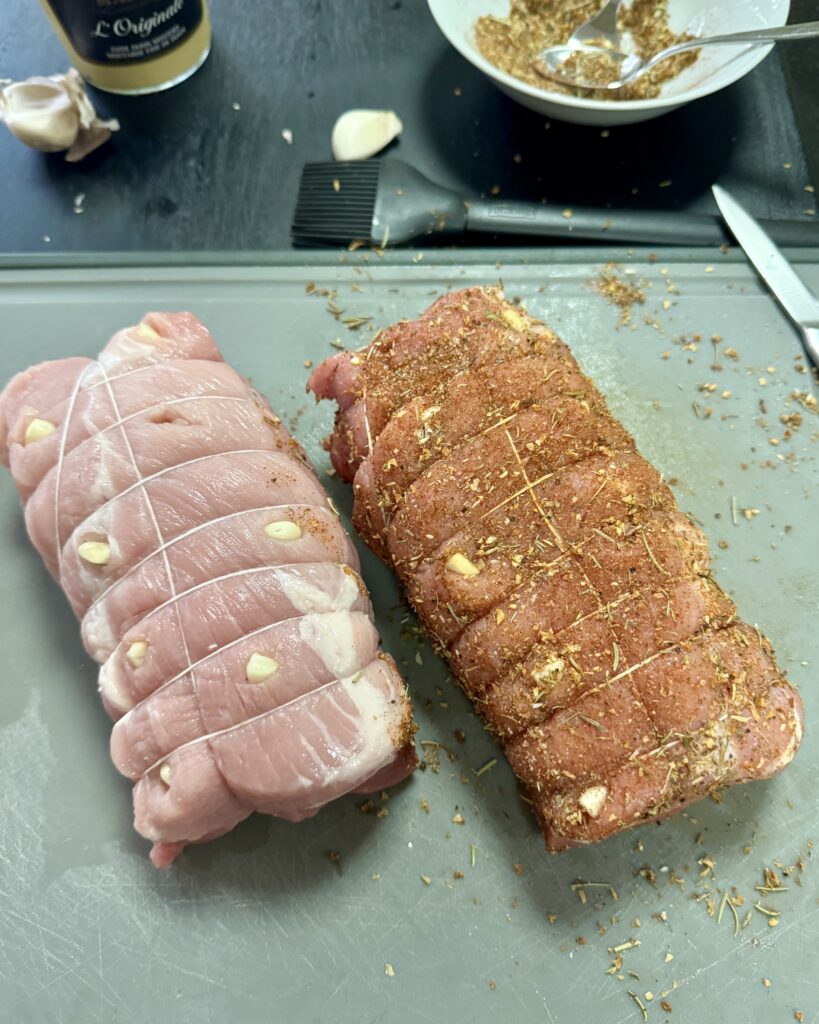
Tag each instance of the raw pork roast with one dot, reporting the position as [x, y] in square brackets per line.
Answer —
[549, 561]
[214, 581]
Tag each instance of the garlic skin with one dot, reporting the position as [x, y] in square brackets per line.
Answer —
[359, 134]
[53, 114]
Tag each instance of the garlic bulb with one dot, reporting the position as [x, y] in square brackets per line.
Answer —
[53, 114]
[359, 134]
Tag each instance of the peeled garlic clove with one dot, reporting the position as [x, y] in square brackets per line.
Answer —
[97, 552]
[460, 564]
[53, 114]
[283, 530]
[359, 134]
[136, 653]
[260, 667]
[592, 800]
[38, 429]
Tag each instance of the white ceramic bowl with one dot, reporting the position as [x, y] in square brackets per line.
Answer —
[716, 67]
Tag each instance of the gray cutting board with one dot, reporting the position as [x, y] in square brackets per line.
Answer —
[262, 925]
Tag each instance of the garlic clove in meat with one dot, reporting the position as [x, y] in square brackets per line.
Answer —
[97, 552]
[283, 529]
[592, 800]
[136, 653]
[38, 429]
[461, 565]
[260, 667]
[53, 114]
[359, 134]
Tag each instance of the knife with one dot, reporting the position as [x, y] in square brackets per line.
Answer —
[798, 301]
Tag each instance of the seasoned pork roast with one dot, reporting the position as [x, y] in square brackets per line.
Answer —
[550, 563]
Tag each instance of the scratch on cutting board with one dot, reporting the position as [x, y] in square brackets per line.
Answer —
[765, 943]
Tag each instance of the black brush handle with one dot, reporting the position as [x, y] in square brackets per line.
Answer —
[653, 227]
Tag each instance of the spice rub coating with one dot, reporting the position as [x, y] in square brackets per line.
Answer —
[550, 564]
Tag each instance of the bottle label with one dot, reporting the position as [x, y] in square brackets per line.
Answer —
[126, 31]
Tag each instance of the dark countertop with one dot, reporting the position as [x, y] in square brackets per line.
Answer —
[188, 171]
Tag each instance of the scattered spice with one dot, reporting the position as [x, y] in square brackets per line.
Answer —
[623, 294]
[488, 766]
[624, 946]
[640, 1003]
[767, 911]
[580, 889]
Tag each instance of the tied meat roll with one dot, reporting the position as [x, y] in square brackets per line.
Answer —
[551, 565]
[214, 583]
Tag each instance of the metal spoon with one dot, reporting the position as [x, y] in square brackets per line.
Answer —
[629, 67]
[601, 29]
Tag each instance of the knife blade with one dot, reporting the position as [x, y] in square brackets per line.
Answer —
[798, 301]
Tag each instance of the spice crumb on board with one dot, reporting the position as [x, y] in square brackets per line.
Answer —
[389, 970]
[640, 1003]
[625, 295]
[493, 984]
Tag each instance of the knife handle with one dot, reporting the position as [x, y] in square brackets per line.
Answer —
[660, 227]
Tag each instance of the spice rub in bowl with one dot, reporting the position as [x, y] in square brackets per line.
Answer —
[513, 43]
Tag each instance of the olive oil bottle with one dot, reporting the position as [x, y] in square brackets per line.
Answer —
[132, 46]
